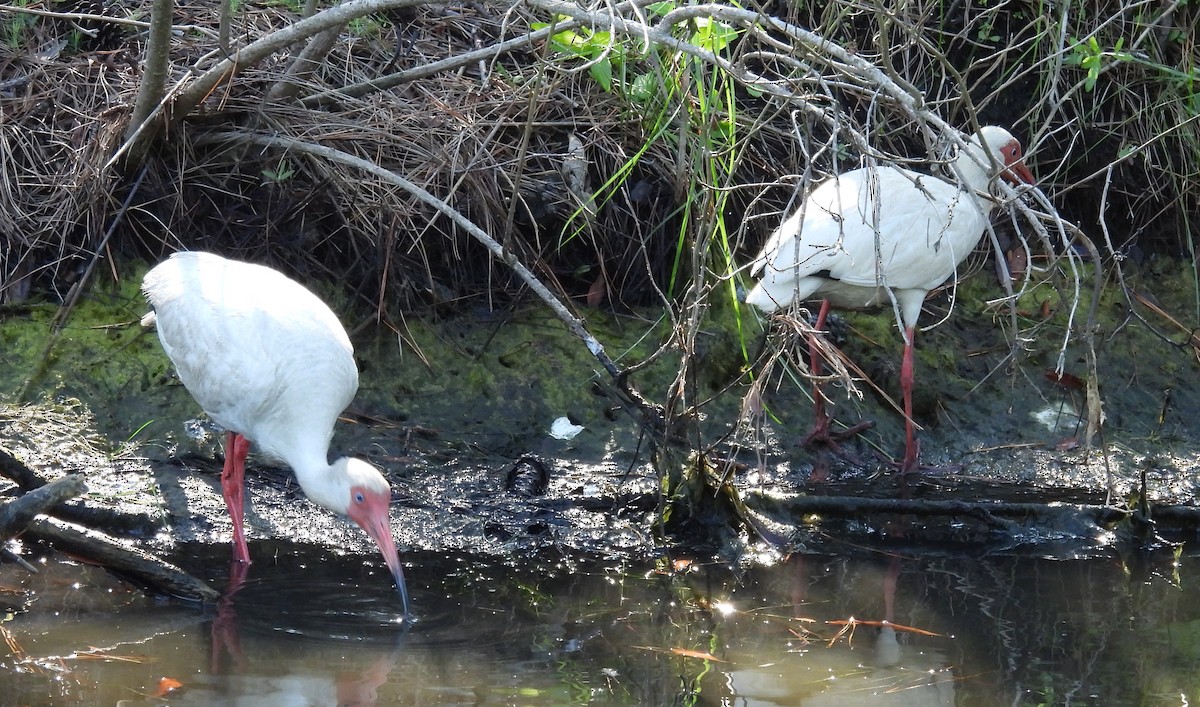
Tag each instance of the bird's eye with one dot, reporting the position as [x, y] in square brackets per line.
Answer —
[358, 497]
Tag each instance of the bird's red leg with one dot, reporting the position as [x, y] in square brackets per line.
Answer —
[233, 478]
[820, 434]
[911, 448]
[820, 428]
[911, 463]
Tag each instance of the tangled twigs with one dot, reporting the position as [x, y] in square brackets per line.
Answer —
[652, 414]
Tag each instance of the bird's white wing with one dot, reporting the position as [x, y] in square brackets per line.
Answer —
[910, 228]
[260, 353]
[912, 237]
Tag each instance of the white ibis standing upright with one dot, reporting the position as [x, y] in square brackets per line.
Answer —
[269, 362]
[867, 236]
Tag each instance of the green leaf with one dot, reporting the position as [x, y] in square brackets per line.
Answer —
[713, 36]
[660, 8]
[644, 88]
[570, 42]
[602, 72]
[599, 41]
[725, 130]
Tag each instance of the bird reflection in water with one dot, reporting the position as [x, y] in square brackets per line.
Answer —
[231, 673]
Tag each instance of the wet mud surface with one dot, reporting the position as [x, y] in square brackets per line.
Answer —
[532, 560]
[458, 413]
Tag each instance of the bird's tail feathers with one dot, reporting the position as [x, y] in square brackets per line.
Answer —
[771, 296]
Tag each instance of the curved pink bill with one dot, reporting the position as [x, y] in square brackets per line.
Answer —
[1016, 171]
[373, 517]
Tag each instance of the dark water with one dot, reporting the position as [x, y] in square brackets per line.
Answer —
[308, 628]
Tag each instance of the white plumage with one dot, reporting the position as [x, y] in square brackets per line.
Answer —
[269, 362]
[869, 231]
[259, 352]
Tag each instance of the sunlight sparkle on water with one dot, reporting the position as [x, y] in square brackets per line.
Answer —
[725, 608]
[764, 554]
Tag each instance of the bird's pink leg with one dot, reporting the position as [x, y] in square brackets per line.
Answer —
[820, 430]
[233, 478]
[911, 448]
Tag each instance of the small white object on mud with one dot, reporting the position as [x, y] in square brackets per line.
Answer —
[563, 428]
[1052, 418]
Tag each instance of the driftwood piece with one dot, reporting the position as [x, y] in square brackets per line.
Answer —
[995, 513]
[17, 514]
[27, 480]
[83, 542]
[99, 548]
[985, 524]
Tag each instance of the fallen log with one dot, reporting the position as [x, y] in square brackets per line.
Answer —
[994, 513]
[1059, 528]
[98, 548]
[17, 514]
[20, 517]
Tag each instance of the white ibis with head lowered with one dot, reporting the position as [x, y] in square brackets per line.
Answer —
[867, 236]
[271, 364]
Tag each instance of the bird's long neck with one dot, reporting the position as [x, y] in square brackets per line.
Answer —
[319, 480]
[973, 168]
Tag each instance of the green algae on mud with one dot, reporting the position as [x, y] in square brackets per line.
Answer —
[101, 355]
[488, 376]
[499, 380]
[466, 393]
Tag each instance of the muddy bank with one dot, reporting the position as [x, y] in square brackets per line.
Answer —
[449, 405]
